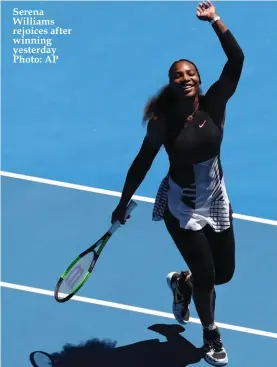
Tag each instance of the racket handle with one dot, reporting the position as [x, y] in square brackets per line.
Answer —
[131, 206]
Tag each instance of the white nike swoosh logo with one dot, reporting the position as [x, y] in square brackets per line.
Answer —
[203, 123]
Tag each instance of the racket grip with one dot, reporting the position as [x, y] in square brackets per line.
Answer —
[131, 206]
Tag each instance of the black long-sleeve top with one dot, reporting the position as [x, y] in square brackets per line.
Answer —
[200, 139]
[191, 145]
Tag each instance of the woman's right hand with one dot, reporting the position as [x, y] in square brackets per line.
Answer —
[206, 11]
[119, 214]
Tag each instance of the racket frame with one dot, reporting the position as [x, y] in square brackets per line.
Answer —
[32, 357]
[101, 243]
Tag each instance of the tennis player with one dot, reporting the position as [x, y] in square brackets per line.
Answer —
[192, 199]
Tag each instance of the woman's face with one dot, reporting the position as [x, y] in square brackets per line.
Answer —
[184, 79]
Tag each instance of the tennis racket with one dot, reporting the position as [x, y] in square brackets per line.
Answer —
[41, 359]
[78, 272]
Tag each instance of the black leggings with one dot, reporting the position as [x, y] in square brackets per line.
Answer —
[209, 255]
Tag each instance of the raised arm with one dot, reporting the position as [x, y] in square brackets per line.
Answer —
[227, 83]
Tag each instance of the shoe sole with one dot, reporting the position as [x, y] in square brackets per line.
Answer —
[213, 363]
[169, 278]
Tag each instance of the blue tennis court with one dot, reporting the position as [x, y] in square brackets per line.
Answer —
[69, 133]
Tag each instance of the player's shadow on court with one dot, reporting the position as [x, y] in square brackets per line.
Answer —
[176, 351]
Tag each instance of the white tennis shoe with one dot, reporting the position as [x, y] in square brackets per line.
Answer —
[181, 289]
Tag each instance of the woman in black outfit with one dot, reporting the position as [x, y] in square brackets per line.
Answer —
[192, 199]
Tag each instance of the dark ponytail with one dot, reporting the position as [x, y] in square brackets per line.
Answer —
[160, 105]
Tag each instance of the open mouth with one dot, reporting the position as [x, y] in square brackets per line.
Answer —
[187, 88]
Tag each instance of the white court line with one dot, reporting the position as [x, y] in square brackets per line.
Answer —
[135, 309]
[115, 193]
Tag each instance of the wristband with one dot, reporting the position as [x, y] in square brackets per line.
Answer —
[215, 19]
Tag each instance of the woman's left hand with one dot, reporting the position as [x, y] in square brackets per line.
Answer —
[206, 11]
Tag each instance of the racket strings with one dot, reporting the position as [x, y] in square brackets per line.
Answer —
[75, 276]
